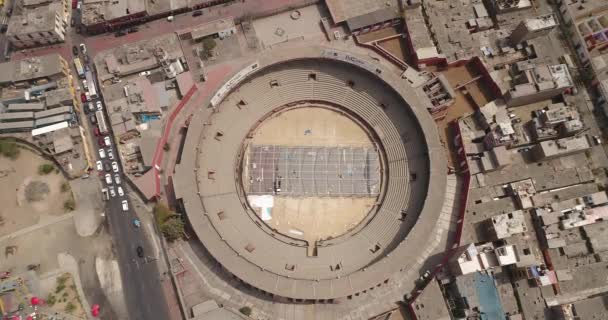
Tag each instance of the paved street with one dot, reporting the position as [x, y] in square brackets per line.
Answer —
[140, 275]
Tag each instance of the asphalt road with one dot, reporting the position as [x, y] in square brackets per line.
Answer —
[142, 288]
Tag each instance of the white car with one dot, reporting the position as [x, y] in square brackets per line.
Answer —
[145, 73]
[91, 108]
[117, 178]
[110, 154]
[84, 84]
[114, 166]
[102, 153]
[120, 191]
[108, 179]
[107, 141]
[99, 165]
[83, 48]
[99, 105]
[125, 205]
[112, 192]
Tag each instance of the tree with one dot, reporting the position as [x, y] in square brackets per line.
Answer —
[69, 205]
[9, 149]
[166, 147]
[162, 213]
[208, 46]
[245, 310]
[45, 168]
[173, 229]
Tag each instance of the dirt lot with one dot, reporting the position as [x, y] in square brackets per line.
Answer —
[62, 295]
[310, 127]
[318, 218]
[28, 197]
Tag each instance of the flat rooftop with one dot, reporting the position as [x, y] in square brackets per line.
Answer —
[95, 11]
[30, 68]
[342, 10]
[40, 19]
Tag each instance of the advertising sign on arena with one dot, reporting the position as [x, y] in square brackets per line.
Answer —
[346, 57]
[233, 82]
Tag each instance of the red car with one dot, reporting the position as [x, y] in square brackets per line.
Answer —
[96, 131]
[83, 97]
[100, 141]
[74, 4]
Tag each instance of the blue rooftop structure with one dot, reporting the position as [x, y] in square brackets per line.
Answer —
[489, 301]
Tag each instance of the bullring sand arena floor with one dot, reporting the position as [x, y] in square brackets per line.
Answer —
[324, 197]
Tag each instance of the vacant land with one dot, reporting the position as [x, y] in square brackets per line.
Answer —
[28, 197]
[314, 219]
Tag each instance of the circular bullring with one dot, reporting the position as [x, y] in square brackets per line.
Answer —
[408, 190]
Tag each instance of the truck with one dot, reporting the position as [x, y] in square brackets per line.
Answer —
[91, 85]
[101, 123]
[79, 69]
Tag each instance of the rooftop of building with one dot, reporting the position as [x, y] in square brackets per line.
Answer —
[212, 27]
[95, 11]
[137, 56]
[31, 68]
[564, 145]
[343, 10]
[541, 22]
[430, 305]
[38, 19]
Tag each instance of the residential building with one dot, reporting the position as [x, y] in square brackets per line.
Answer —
[533, 83]
[37, 26]
[533, 28]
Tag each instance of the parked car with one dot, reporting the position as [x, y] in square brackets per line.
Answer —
[110, 154]
[99, 165]
[96, 130]
[117, 178]
[132, 29]
[83, 49]
[197, 13]
[145, 73]
[107, 141]
[136, 223]
[75, 50]
[102, 153]
[120, 191]
[90, 107]
[115, 166]
[125, 205]
[120, 33]
[107, 167]
[106, 194]
[597, 140]
[100, 141]
[108, 179]
[83, 97]
[99, 105]
[84, 84]
[72, 22]
[93, 119]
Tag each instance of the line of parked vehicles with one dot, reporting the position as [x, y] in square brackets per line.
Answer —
[107, 165]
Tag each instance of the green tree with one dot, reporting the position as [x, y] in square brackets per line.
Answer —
[45, 169]
[245, 310]
[173, 229]
[162, 213]
[9, 149]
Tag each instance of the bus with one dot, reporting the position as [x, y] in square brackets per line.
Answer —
[79, 68]
[91, 85]
[101, 123]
